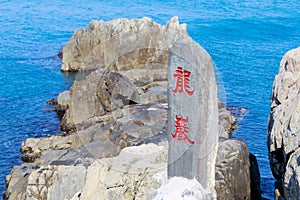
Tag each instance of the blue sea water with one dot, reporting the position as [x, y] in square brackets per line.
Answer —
[245, 39]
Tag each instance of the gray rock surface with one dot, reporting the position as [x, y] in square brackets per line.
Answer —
[136, 173]
[192, 107]
[131, 175]
[122, 43]
[138, 49]
[284, 121]
[114, 107]
[99, 93]
[291, 180]
[233, 170]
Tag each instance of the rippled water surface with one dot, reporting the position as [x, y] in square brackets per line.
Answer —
[246, 41]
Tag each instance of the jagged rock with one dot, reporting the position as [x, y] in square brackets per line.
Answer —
[16, 182]
[134, 173]
[233, 170]
[283, 132]
[135, 41]
[131, 175]
[138, 125]
[138, 49]
[227, 121]
[55, 182]
[63, 99]
[292, 177]
[98, 94]
[52, 102]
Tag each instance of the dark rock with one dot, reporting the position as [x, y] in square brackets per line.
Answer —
[52, 102]
[30, 157]
[255, 178]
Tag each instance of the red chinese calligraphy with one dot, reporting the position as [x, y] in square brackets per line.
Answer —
[182, 82]
[181, 130]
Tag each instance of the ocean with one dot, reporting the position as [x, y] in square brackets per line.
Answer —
[246, 40]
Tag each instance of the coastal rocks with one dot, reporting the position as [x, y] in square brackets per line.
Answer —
[99, 93]
[131, 175]
[135, 41]
[54, 182]
[115, 120]
[233, 170]
[130, 58]
[291, 180]
[138, 125]
[16, 182]
[136, 173]
[227, 121]
[283, 133]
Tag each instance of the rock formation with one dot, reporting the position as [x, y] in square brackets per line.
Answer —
[114, 118]
[233, 170]
[122, 43]
[284, 121]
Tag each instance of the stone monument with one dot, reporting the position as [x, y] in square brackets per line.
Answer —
[193, 114]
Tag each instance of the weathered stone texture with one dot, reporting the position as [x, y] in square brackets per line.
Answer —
[284, 121]
[201, 110]
[135, 41]
[291, 180]
[233, 170]
[121, 103]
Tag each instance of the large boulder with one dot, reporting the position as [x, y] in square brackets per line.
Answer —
[233, 170]
[283, 137]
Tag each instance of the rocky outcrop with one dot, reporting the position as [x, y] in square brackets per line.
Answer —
[291, 180]
[122, 44]
[127, 72]
[115, 121]
[283, 133]
[227, 121]
[137, 172]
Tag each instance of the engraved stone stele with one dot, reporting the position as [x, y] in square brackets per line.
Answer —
[193, 114]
